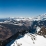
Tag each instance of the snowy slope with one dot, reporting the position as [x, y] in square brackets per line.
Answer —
[28, 40]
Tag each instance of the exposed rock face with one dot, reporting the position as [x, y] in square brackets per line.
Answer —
[42, 31]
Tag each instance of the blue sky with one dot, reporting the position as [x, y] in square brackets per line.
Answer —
[22, 8]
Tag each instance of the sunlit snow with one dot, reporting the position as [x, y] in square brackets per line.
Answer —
[28, 40]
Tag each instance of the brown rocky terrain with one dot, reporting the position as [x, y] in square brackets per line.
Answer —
[9, 32]
[42, 31]
[5, 33]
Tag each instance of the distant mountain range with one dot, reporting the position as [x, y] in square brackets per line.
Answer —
[41, 17]
[37, 18]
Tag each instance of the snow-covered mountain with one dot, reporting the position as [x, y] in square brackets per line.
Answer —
[30, 40]
[37, 34]
[22, 18]
[37, 18]
[40, 17]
